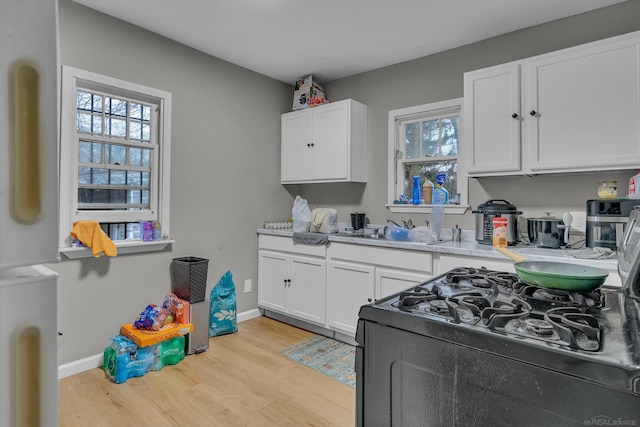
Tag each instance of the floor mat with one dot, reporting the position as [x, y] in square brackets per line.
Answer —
[328, 356]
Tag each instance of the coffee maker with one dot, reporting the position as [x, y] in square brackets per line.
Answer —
[606, 221]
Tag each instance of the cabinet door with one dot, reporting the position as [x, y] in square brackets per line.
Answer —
[389, 281]
[273, 272]
[586, 104]
[351, 286]
[296, 150]
[307, 290]
[492, 105]
[331, 154]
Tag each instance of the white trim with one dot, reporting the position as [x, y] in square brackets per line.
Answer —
[95, 361]
[159, 200]
[123, 247]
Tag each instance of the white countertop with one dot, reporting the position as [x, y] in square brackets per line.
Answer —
[464, 248]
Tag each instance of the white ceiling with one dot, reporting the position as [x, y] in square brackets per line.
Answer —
[331, 39]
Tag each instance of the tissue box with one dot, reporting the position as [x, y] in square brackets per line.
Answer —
[307, 93]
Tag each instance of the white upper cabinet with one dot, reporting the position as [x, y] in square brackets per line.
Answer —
[325, 144]
[577, 109]
[492, 105]
[583, 107]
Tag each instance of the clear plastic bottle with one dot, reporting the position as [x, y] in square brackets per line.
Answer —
[440, 194]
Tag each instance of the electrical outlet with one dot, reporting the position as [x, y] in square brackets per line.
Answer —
[579, 222]
[247, 286]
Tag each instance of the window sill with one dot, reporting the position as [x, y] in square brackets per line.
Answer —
[449, 209]
[124, 247]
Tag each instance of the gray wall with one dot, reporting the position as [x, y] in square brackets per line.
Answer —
[440, 77]
[224, 174]
[226, 164]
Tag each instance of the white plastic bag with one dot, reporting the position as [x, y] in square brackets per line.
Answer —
[301, 215]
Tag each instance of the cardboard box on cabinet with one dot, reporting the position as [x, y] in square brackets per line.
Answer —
[308, 93]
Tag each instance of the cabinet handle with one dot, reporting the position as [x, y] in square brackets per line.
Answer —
[309, 145]
[514, 115]
[313, 145]
[533, 113]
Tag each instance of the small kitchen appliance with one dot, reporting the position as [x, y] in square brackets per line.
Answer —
[358, 220]
[484, 220]
[606, 221]
[480, 347]
[548, 232]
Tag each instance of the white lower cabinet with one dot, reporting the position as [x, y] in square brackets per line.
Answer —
[359, 275]
[327, 287]
[391, 281]
[351, 286]
[292, 284]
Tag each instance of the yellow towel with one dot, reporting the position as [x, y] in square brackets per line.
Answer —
[90, 233]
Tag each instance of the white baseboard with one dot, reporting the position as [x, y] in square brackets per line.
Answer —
[95, 361]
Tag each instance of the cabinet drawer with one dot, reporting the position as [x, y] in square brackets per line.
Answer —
[396, 258]
[285, 244]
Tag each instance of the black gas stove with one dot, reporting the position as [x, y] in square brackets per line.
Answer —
[501, 302]
[481, 347]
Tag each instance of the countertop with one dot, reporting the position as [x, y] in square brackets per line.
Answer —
[468, 247]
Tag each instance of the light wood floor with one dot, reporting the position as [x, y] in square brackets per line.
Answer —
[241, 380]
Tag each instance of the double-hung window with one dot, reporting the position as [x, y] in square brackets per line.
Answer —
[114, 155]
[425, 142]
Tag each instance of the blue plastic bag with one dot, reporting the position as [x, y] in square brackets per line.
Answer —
[222, 317]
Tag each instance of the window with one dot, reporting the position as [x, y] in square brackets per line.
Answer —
[114, 155]
[425, 142]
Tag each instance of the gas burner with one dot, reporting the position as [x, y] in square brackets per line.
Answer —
[539, 327]
[552, 295]
[543, 299]
[481, 282]
[417, 295]
[495, 281]
[462, 273]
[501, 312]
[437, 306]
[579, 330]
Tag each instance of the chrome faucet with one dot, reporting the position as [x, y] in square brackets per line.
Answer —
[393, 222]
[406, 224]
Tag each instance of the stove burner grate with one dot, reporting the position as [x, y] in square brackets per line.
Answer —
[548, 298]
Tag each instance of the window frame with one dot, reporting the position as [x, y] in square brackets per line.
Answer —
[72, 80]
[395, 172]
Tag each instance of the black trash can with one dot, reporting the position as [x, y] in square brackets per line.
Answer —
[189, 278]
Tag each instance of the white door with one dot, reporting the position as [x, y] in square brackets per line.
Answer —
[351, 287]
[493, 119]
[586, 104]
[307, 290]
[389, 281]
[28, 133]
[273, 275]
[296, 150]
[331, 153]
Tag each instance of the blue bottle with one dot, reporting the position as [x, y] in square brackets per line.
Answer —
[416, 190]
